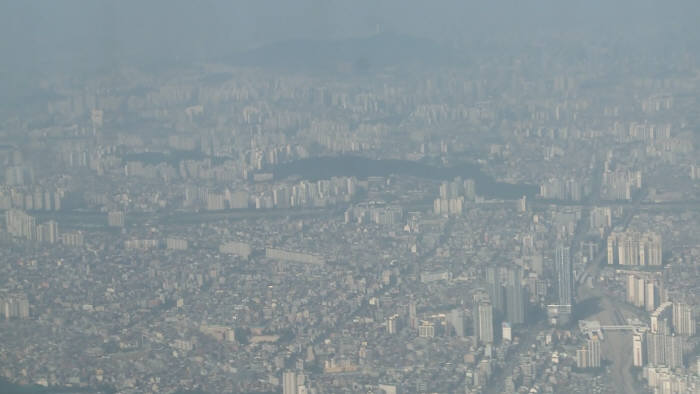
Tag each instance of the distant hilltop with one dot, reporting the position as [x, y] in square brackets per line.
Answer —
[351, 54]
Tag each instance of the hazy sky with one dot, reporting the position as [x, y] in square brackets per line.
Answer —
[75, 32]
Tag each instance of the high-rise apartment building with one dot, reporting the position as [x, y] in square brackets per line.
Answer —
[589, 355]
[47, 232]
[643, 291]
[661, 319]
[664, 350]
[594, 355]
[289, 382]
[683, 319]
[634, 248]
[638, 350]
[14, 307]
[20, 224]
[115, 219]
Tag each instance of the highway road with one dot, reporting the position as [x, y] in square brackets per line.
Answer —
[617, 347]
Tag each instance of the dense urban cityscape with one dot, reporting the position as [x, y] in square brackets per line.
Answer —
[512, 221]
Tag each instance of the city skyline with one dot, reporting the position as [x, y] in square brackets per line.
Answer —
[349, 197]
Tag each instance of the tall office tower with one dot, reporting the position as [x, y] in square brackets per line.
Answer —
[594, 356]
[683, 320]
[412, 316]
[565, 278]
[475, 315]
[456, 320]
[638, 350]
[482, 319]
[515, 297]
[485, 322]
[289, 382]
[495, 289]
[392, 324]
